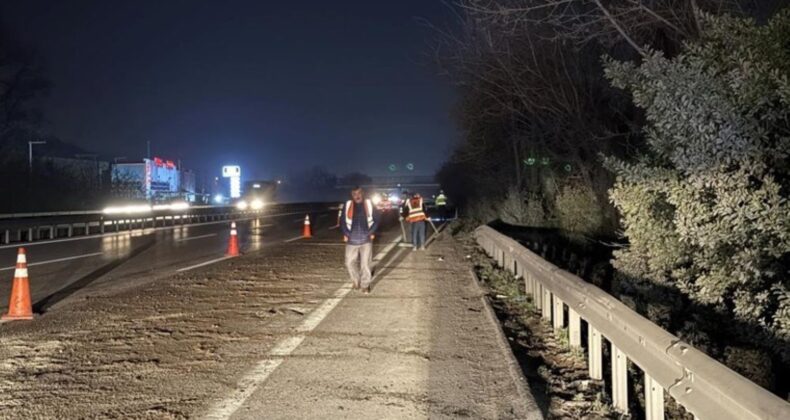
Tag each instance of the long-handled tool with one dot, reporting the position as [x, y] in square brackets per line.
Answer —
[436, 231]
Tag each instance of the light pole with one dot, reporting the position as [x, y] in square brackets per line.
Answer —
[30, 153]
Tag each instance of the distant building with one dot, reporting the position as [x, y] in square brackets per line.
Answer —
[188, 185]
[152, 179]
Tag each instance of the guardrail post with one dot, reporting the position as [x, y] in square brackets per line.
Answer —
[654, 399]
[537, 290]
[559, 314]
[7, 237]
[546, 309]
[70, 230]
[619, 380]
[574, 329]
[594, 356]
[30, 234]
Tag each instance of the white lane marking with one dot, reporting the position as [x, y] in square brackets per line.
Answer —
[196, 237]
[265, 367]
[57, 260]
[294, 239]
[323, 243]
[203, 264]
[334, 227]
[146, 231]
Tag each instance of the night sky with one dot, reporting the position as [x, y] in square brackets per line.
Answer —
[272, 86]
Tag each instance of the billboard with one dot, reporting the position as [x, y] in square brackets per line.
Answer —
[234, 173]
[161, 176]
[151, 179]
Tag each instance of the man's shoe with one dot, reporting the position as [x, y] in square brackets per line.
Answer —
[366, 290]
[355, 286]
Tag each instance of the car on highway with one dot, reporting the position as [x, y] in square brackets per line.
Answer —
[384, 201]
[256, 195]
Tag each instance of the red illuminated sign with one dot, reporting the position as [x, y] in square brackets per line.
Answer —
[169, 164]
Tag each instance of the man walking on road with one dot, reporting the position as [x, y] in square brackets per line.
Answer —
[359, 229]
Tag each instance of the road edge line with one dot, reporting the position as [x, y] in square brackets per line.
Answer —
[203, 264]
[248, 384]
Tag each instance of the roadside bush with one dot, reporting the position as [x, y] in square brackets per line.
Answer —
[523, 209]
[706, 210]
[481, 212]
[578, 210]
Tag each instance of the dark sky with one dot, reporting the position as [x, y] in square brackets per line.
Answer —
[269, 85]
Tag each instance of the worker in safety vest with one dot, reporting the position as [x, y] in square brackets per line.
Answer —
[359, 225]
[417, 216]
[441, 204]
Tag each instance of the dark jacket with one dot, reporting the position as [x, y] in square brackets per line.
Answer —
[359, 233]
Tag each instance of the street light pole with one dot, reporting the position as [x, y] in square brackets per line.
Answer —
[30, 154]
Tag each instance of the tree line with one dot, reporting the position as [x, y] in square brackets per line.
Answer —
[48, 186]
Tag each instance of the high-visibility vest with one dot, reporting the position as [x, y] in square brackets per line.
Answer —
[441, 200]
[415, 210]
[350, 213]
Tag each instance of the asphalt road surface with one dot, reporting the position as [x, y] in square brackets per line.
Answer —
[108, 262]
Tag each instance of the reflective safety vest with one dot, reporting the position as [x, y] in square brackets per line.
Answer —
[350, 213]
[441, 200]
[415, 210]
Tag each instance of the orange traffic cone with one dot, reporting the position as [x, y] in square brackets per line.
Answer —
[20, 306]
[233, 242]
[307, 232]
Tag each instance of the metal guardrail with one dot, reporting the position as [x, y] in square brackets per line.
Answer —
[703, 386]
[6, 216]
[30, 227]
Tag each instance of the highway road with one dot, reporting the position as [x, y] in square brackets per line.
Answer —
[106, 263]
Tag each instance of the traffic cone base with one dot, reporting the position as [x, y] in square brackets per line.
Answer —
[307, 231]
[233, 242]
[20, 305]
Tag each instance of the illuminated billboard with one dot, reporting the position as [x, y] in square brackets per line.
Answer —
[234, 173]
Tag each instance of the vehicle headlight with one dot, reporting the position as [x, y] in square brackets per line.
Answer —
[130, 209]
[376, 199]
[241, 205]
[181, 205]
[256, 204]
